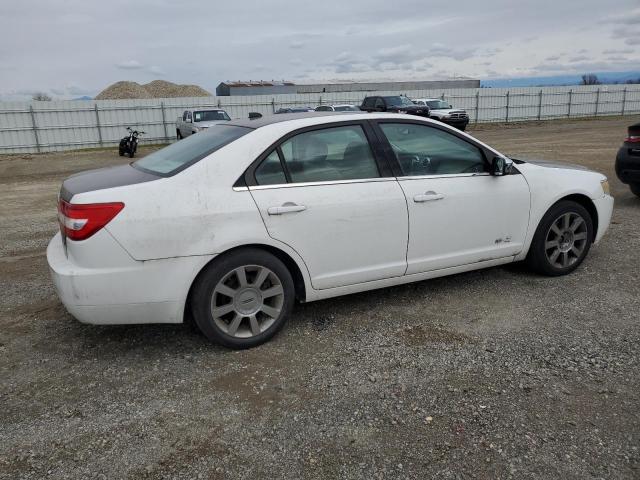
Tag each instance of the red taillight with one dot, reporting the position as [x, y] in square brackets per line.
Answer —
[80, 221]
[632, 139]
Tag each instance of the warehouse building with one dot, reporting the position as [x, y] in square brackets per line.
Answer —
[260, 87]
[226, 89]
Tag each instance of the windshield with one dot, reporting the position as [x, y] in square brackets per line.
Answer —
[438, 105]
[210, 115]
[178, 156]
[346, 108]
[398, 101]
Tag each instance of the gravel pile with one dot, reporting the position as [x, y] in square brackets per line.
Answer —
[154, 89]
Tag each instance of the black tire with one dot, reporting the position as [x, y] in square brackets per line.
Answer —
[178, 134]
[635, 188]
[204, 297]
[131, 154]
[463, 128]
[538, 259]
[121, 153]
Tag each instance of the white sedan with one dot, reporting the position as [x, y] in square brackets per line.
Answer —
[233, 225]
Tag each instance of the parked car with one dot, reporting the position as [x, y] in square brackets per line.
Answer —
[443, 111]
[233, 225]
[294, 110]
[393, 104]
[194, 121]
[628, 160]
[337, 108]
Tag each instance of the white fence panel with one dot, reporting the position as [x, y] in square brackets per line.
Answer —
[62, 125]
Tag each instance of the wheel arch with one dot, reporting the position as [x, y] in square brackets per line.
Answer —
[293, 267]
[588, 204]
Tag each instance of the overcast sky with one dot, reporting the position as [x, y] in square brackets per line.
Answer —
[78, 47]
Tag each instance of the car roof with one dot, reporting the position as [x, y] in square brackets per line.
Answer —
[288, 117]
[428, 99]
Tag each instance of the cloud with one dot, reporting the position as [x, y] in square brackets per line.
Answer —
[296, 44]
[628, 18]
[156, 70]
[613, 51]
[130, 65]
[633, 41]
[579, 58]
[440, 50]
[552, 58]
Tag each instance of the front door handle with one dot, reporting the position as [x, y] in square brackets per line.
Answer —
[428, 197]
[288, 207]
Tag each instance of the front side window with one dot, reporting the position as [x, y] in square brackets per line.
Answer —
[438, 105]
[398, 101]
[323, 109]
[210, 115]
[424, 150]
[338, 153]
[179, 155]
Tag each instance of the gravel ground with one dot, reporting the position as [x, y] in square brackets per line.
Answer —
[491, 374]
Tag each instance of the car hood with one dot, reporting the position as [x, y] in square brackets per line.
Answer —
[210, 123]
[552, 164]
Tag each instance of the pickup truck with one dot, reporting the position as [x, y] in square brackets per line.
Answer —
[441, 110]
[395, 104]
[194, 121]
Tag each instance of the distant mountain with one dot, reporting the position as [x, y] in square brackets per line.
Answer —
[573, 79]
[84, 97]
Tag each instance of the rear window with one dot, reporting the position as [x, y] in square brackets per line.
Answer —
[178, 156]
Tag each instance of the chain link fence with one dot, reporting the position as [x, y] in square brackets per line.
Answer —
[33, 127]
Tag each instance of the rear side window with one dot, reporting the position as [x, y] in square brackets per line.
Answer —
[338, 153]
[368, 102]
[270, 171]
[424, 150]
[180, 155]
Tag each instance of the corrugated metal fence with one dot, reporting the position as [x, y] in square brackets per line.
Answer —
[51, 126]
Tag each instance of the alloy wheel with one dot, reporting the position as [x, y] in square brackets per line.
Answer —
[247, 301]
[566, 240]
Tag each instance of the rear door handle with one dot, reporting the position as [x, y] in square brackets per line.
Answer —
[288, 207]
[428, 197]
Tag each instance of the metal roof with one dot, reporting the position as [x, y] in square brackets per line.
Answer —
[258, 83]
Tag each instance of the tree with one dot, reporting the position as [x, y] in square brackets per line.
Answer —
[41, 96]
[590, 79]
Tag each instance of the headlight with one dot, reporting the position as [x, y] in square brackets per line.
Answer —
[605, 186]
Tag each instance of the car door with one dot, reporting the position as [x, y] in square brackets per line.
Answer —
[458, 213]
[326, 193]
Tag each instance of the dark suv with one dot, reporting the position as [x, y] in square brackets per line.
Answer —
[394, 104]
[628, 160]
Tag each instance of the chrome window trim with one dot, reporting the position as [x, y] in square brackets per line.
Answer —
[313, 184]
[447, 175]
[359, 180]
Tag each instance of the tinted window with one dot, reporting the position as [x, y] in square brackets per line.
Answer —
[339, 153]
[369, 101]
[270, 172]
[323, 109]
[210, 115]
[379, 102]
[398, 101]
[424, 150]
[181, 154]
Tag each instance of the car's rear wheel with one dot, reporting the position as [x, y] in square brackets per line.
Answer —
[243, 298]
[635, 188]
[562, 240]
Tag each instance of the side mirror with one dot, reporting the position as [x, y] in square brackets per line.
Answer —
[501, 166]
[254, 115]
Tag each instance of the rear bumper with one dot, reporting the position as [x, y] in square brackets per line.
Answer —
[604, 206]
[128, 292]
[628, 164]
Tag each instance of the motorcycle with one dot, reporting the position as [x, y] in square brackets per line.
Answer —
[129, 144]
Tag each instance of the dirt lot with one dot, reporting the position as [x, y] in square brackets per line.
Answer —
[491, 374]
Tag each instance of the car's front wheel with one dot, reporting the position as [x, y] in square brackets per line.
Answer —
[635, 188]
[562, 240]
[243, 298]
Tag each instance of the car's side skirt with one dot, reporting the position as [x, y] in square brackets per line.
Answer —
[314, 295]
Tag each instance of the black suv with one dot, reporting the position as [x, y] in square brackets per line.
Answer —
[394, 104]
[628, 160]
